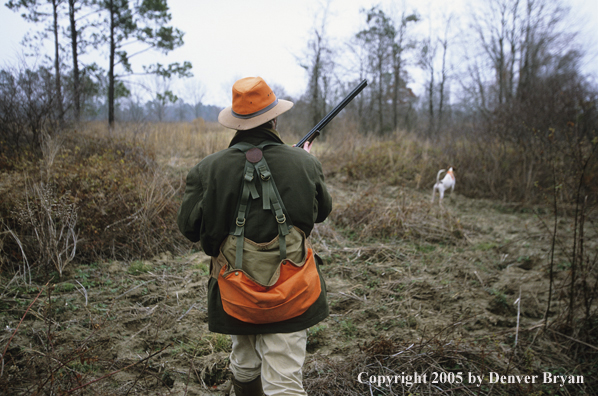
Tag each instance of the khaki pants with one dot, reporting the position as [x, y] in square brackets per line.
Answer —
[278, 358]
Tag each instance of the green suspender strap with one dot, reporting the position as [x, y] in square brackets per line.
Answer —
[256, 162]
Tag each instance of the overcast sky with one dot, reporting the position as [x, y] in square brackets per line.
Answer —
[230, 39]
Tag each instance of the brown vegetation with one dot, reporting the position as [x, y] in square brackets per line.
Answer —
[413, 287]
[100, 294]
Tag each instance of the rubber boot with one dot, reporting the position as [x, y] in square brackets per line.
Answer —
[252, 388]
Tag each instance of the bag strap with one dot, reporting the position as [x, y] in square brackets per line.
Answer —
[256, 162]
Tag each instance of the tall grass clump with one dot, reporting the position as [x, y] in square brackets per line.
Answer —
[485, 167]
[370, 215]
[170, 141]
[88, 197]
[47, 224]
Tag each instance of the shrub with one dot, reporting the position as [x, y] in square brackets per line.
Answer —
[126, 206]
[48, 226]
[27, 109]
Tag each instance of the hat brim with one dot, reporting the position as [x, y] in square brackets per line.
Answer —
[227, 119]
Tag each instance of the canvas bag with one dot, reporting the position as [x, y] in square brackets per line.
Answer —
[265, 282]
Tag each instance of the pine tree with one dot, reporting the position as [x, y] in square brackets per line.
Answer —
[145, 23]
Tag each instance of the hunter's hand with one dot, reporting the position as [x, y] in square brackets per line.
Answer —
[306, 146]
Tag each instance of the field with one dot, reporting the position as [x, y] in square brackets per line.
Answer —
[424, 299]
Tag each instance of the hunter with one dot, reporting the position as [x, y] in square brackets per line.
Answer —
[253, 207]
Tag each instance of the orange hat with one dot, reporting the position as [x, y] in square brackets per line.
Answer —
[254, 103]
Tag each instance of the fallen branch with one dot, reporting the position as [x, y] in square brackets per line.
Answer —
[576, 340]
[130, 290]
[185, 314]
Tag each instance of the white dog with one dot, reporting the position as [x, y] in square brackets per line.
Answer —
[442, 185]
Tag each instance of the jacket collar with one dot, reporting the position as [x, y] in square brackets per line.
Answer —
[256, 136]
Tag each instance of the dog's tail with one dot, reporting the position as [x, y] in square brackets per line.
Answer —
[438, 175]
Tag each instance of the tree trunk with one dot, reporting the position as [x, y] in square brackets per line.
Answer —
[395, 95]
[59, 107]
[315, 94]
[380, 93]
[442, 82]
[431, 100]
[111, 70]
[398, 65]
[76, 83]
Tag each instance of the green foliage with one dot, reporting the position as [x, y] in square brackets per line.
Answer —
[154, 9]
[85, 367]
[166, 97]
[65, 287]
[203, 268]
[315, 337]
[172, 69]
[208, 343]
[219, 342]
[138, 267]
[348, 329]
[315, 333]
[121, 90]
[500, 304]
[425, 248]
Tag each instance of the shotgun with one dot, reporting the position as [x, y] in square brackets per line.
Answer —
[315, 131]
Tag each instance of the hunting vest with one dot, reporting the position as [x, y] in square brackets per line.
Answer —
[265, 282]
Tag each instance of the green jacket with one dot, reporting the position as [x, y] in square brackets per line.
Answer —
[209, 207]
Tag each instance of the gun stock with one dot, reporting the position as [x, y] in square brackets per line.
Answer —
[315, 131]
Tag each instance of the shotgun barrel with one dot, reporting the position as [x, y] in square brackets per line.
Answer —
[315, 131]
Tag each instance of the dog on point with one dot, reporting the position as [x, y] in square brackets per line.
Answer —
[442, 185]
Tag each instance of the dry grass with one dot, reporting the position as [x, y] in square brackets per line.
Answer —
[369, 214]
[172, 142]
[122, 342]
[413, 287]
[441, 364]
[484, 167]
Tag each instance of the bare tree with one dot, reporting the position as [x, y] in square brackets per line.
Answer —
[427, 58]
[400, 44]
[37, 11]
[442, 89]
[75, 51]
[319, 66]
[436, 93]
[27, 107]
[543, 38]
[358, 65]
[134, 108]
[498, 30]
[195, 91]
[520, 39]
[377, 38]
[181, 109]
[78, 45]
[385, 42]
[162, 95]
